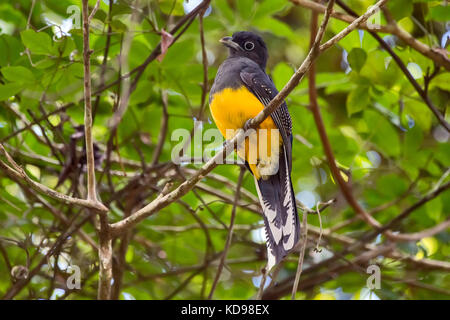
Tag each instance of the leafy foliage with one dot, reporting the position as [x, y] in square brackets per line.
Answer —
[388, 144]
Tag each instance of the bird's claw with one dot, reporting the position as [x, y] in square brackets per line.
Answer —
[248, 124]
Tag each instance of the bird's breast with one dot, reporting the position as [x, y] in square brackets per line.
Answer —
[230, 109]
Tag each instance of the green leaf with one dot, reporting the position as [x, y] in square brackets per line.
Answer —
[383, 133]
[270, 7]
[281, 74]
[276, 27]
[400, 8]
[358, 100]
[441, 81]
[10, 49]
[224, 9]
[391, 186]
[375, 70]
[17, 74]
[9, 89]
[439, 13]
[434, 209]
[37, 42]
[172, 7]
[245, 8]
[357, 58]
[419, 112]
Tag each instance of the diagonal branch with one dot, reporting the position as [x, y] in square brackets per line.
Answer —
[422, 48]
[14, 170]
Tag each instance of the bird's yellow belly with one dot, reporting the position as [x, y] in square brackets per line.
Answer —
[230, 109]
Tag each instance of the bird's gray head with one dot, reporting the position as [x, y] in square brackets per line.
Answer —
[247, 44]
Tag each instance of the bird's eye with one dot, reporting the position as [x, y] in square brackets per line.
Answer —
[249, 46]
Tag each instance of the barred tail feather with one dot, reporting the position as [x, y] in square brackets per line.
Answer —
[281, 220]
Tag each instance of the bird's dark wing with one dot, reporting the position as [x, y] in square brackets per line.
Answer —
[259, 83]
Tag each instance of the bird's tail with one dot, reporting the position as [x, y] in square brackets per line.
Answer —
[281, 221]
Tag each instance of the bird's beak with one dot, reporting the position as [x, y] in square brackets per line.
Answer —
[228, 42]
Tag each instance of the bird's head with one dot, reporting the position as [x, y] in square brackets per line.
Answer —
[247, 44]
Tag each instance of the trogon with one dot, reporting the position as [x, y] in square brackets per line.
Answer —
[240, 91]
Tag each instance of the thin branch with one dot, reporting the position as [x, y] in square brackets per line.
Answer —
[312, 101]
[422, 48]
[91, 187]
[301, 256]
[229, 235]
[411, 209]
[94, 10]
[163, 128]
[205, 66]
[105, 248]
[17, 172]
[18, 286]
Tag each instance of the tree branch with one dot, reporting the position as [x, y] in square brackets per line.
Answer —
[91, 187]
[422, 48]
[229, 235]
[17, 172]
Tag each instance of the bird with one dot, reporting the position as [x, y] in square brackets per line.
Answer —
[241, 89]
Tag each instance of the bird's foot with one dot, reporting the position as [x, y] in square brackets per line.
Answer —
[248, 124]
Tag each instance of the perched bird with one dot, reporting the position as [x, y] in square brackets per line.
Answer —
[240, 91]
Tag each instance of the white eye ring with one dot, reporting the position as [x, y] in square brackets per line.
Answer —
[249, 46]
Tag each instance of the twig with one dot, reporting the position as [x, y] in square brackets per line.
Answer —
[125, 84]
[94, 11]
[91, 187]
[229, 236]
[163, 128]
[18, 286]
[312, 101]
[17, 172]
[205, 66]
[262, 284]
[30, 124]
[301, 256]
[422, 48]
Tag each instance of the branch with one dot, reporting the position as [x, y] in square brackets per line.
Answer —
[205, 67]
[94, 11]
[229, 235]
[422, 48]
[163, 128]
[313, 100]
[408, 211]
[15, 171]
[92, 194]
[56, 247]
[346, 190]
[105, 248]
[301, 256]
